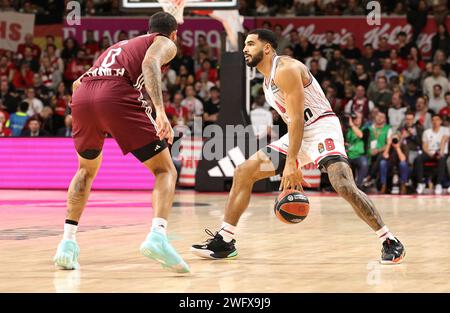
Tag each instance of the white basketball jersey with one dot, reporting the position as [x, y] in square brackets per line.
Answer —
[316, 104]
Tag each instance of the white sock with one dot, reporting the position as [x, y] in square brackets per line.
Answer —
[159, 224]
[227, 231]
[384, 233]
[70, 231]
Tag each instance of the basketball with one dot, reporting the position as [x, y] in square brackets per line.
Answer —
[291, 207]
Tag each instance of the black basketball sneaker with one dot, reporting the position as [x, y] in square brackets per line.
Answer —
[215, 247]
[392, 252]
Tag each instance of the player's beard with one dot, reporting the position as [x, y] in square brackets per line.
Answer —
[255, 59]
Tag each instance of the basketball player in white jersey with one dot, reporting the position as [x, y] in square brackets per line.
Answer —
[314, 135]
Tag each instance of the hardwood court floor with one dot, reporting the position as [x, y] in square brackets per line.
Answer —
[331, 251]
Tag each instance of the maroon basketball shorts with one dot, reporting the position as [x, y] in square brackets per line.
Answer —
[110, 105]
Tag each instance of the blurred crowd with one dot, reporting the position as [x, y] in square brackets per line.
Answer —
[394, 105]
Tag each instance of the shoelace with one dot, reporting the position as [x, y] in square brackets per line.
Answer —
[210, 233]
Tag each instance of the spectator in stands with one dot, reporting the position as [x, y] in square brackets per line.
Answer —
[412, 72]
[411, 94]
[335, 102]
[397, 111]
[207, 68]
[202, 46]
[262, 121]
[338, 67]
[386, 71]
[412, 135]
[70, 49]
[437, 101]
[49, 121]
[360, 104]
[381, 97]
[190, 102]
[394, 155]
[417, 16]
[384, 50]
[42, 92]
[436, 78]
[403, 46]
[350, 51]
[212, 107]
[66, 131]
[441, 59]
[123, 35]
[181, 115]
[76, 67]
[360, 76]
[370, 62]
[303, 49]
[59, 101]
[4, 131]
[353, 8]
[7, 68]
[49, 74]
[261, 8]
[283, 42]
[35, 105]
[91, 45]
[8, 99]
[441, 41]
[414, 52]
[315, 70]
[355, 147]
[182, 59]
[377, 135]
[435, 149]
[398, 64]
[35, 49]
[327, 49]
[34, 129]
[30, 60]
[316, 55]
[90, 9]
[55, 61]
[18, 120]
[23, 78]
[445, 111]
[423, 117]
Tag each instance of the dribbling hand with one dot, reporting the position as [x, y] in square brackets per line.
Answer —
[292, 178]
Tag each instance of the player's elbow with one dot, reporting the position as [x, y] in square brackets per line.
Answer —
[150, 62]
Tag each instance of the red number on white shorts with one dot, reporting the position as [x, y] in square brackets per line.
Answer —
[329, 144]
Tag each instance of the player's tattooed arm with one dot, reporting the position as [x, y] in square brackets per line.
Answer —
[341, 178]
[162, 51]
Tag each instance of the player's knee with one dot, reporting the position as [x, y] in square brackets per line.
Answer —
[244, 172]
[167, 170]
[86, 174]
[345, 189]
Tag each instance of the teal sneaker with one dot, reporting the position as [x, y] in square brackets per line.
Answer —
[157, 247]
[66, 256]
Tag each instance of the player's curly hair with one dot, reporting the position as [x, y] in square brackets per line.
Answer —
[163, 23]
[265, 35]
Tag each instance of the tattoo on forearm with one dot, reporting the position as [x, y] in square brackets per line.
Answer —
[341, 178]
[152, 79]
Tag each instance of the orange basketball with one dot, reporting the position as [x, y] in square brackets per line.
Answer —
[291, 207]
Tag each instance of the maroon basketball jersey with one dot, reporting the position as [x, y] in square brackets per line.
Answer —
[124, 59]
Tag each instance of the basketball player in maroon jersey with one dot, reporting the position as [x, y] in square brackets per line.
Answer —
[314, 135]
[108, 99]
